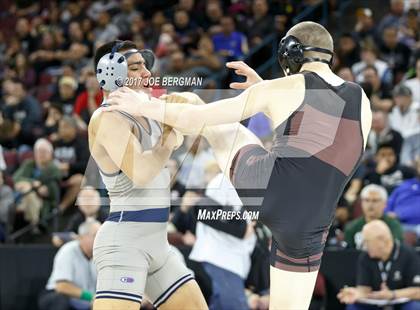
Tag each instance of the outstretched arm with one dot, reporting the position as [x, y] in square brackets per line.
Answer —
[190, 118]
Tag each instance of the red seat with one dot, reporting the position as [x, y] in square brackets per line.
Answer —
[11, 159]
[25, 155]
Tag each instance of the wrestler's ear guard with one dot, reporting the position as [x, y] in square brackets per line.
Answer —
[112, 69]
[291, 58]
[149, 58]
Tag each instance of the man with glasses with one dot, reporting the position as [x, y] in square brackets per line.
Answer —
[374, 199]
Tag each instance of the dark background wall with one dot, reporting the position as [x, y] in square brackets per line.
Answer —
[24, 271]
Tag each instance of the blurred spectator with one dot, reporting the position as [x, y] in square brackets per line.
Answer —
[7, 200]
[394, 17]
[387, 265]
[369, 57]
[382, 133]
[177, 68]
[386, 171]
[346, 74]
[66, 94]
[348, 50]
[204, 62]
[36, 181]
[23, 71]
[374, 200]
[230, 44]
[261, 22]
[403, 204]
[404, 116]
[197, 155]
[71, 152]
[89, 203]
[54, 115]
[72, 283]
[211, 20]
[411, 148]
[365, 25]
[395, 53]
[184, 26]
[124, 19]
[381, 92]
[22, 109]
[89, 100]
[177, 189]
[23, 33]
[410, 30]
[44, 56]
[235, 239]
[414, 83]
[105, 31]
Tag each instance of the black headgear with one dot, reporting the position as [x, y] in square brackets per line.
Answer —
[290, 54]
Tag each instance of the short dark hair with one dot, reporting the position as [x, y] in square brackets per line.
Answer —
[107, 48]
[387, 145]
[370, 67]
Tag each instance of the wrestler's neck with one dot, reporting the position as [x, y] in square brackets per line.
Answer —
[316, 66]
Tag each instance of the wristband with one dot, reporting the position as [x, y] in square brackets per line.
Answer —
[86, 295]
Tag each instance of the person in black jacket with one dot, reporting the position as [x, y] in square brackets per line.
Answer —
[72, 153]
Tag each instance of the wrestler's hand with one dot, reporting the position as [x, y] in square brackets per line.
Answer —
[124, 99]
[243, 69]
[184, 97]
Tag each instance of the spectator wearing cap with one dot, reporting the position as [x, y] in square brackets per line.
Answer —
[403, 204]
[71, 152]
[365, 25]
[72, 283]
[66, 94]
[386, 171]
[395, 53]
[374, 198]
[404, 116]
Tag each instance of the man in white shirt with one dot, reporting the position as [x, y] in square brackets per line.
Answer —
[72, 282]
[404, 116]
[225, 258]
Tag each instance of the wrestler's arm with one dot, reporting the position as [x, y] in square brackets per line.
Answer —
[226, 140]
[115, 135]
[190, 118]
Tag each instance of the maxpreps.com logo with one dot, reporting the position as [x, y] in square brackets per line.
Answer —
[126, 280]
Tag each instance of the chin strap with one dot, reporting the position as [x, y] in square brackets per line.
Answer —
[319, 50]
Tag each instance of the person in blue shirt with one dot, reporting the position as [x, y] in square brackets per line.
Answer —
[229, 43]
[404, 203]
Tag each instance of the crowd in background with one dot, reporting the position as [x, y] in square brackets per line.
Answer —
[49, 91]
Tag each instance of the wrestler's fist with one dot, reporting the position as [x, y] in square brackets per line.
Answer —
[184, 97]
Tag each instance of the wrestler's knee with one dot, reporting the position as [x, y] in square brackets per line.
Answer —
[188, 296]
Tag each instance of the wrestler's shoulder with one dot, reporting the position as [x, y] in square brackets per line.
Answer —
[288, 82]
[99, 116]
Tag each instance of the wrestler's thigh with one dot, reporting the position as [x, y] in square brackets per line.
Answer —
[188, 296]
